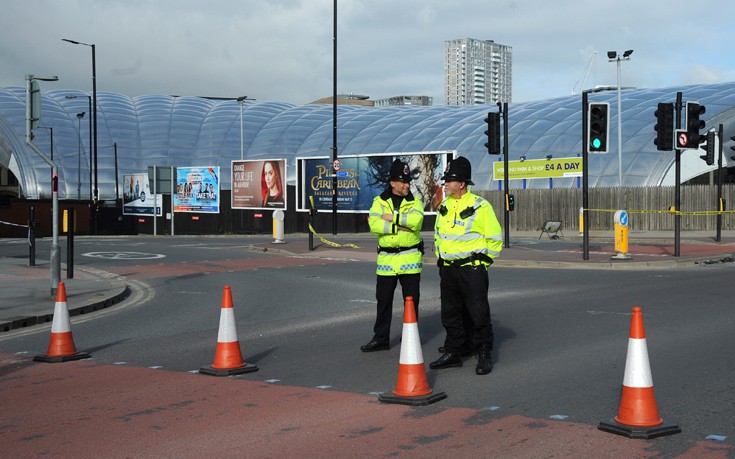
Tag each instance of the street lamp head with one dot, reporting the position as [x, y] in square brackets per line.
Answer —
[74, 42]
[627, 53]
[42, 78]
[80, 115]
[548, 157]
[612, 54]
[523, 158]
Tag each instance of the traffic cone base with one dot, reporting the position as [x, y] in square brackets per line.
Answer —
[412, 386]
[421, 400]
[227, 358]
[638, 414]
[245, 368]
[637, 432]
[61, 346]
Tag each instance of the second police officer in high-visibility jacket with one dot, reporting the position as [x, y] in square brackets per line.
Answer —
[467, 238]
[396, 217]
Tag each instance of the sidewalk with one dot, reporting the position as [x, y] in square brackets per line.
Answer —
[26, 300]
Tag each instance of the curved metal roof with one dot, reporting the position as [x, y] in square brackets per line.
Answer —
[191, 131]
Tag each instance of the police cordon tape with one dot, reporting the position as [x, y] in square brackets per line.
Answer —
[672, 212]
[312, 211]
[13, 224]
[328, 242]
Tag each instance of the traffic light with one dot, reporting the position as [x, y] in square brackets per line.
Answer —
[598, 124]
[511, 204]
[709, 148]
[693, 123]
[664, 127]
[493, 133]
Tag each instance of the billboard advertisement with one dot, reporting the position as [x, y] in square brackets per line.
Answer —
[137, 197]
[197, 190]
[539, 168]
[362, 177]
[258, 184]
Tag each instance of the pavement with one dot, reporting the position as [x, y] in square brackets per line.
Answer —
[27, 297]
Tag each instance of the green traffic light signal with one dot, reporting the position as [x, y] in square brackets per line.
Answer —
[598, 124]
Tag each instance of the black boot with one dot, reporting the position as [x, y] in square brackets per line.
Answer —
[447, 360]
[484, 360]
[375, 345]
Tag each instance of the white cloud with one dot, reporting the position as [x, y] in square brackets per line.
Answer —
[282, 50]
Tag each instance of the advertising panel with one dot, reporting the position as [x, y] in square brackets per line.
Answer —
[197, 190]
[539, 168]
[258, 184]
[362, 177]
[137, 197]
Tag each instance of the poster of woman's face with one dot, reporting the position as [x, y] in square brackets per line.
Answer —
[258, 184]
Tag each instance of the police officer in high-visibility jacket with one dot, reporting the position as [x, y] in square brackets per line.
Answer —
[467, 237]
[396, 217]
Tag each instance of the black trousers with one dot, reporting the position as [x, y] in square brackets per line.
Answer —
[384, 290]
[464, 293]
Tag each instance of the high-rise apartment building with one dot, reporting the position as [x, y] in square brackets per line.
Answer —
[477, 72]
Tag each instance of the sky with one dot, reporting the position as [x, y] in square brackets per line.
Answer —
[282, 50]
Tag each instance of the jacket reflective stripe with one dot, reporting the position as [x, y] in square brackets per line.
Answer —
[457, 238]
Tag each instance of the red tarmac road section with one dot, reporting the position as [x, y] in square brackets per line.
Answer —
[82, 409]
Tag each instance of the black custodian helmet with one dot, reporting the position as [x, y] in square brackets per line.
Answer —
[458, 170]
[400, 171]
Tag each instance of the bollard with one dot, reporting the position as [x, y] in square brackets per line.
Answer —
[32, 237]
[278, 217]
[581, 221]
[69, 228]
[621, 236]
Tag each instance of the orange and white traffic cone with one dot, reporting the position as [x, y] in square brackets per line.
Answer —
[61, 346]
[638, 414]
[227, 359]
[412, 386]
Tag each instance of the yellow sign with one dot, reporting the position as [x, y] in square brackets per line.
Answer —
[538, 168]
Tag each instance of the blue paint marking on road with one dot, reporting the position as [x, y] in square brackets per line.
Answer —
[716, 437]
[559, 417]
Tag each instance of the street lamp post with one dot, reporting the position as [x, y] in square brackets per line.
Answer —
[613, 56]
[80, 115]
[31, 123]
[95, 197]
[89, 100]
[241, 100]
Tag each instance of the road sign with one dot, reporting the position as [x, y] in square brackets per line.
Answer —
[336, 165]
[682, 141]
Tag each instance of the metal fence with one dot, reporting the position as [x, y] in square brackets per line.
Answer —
[648, 208]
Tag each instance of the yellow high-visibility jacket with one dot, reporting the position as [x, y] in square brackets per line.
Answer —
[398, 251]
[464, 227]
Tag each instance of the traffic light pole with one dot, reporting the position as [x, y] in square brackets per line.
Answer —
[334, 122]
[719, 185]
[503, 109]
[585, 183]
[677, 192]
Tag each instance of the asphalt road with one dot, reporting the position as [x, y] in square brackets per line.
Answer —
[560, 334]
